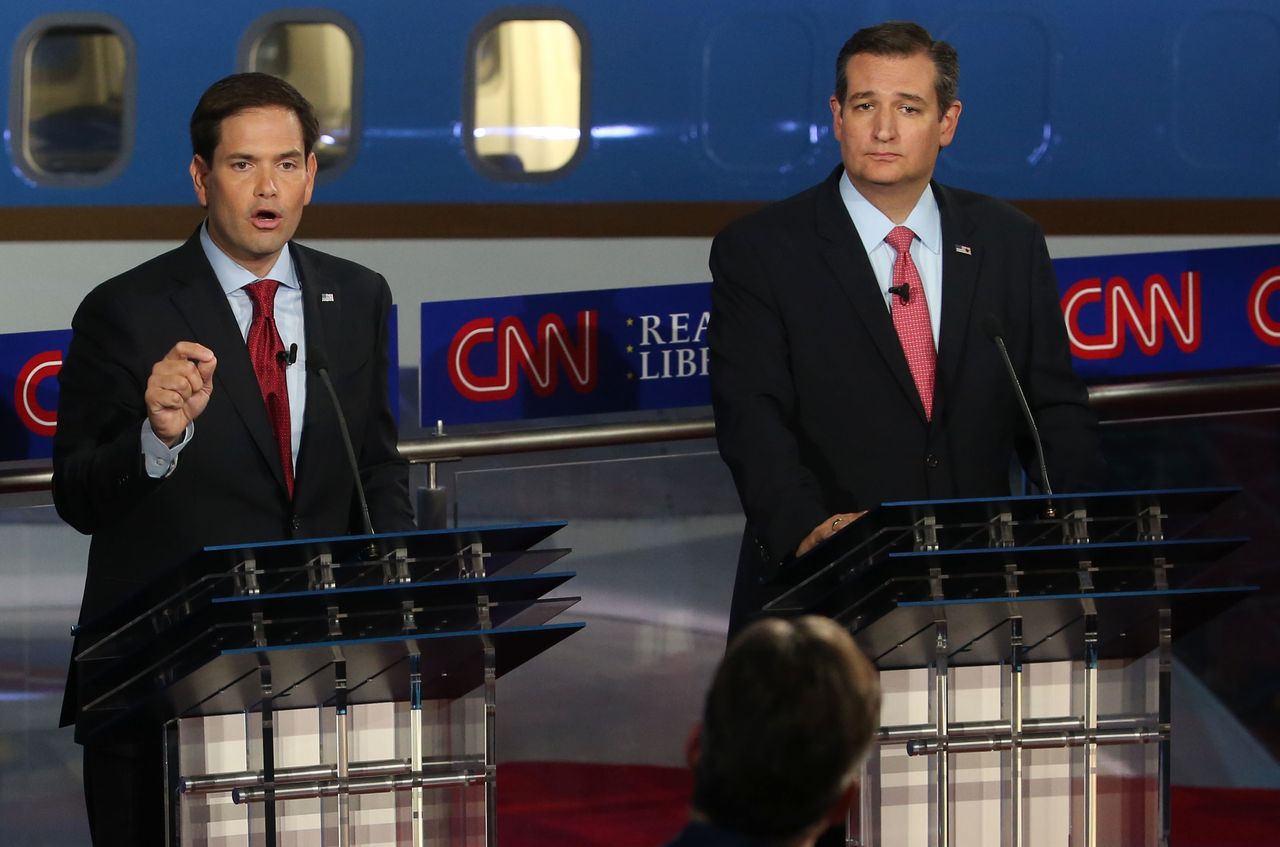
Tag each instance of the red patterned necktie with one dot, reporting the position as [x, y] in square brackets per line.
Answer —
[265, 348]
[911, 318]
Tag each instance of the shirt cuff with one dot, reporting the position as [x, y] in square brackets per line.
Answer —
[158, 459]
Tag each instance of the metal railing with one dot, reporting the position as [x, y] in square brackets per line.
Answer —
[444, 448]
[1255, 391]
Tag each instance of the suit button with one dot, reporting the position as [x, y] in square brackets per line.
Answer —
[931, 460]
[296, 523]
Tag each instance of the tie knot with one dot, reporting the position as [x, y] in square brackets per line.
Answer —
[900, 238]
[263, 295]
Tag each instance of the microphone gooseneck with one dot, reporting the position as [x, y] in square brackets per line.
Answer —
[992, 328]
[318, 363]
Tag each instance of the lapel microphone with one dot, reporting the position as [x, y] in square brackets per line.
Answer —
[288, 357]
[903, 291]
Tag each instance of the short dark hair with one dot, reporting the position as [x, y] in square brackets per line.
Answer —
[902, 38]
[233, 94]
[790, 714]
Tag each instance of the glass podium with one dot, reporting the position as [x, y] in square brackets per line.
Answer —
[332, 690]
[1022, 642]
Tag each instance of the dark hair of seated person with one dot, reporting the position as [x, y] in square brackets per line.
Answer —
[790, 714]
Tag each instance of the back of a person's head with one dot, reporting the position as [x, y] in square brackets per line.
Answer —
[790, 714]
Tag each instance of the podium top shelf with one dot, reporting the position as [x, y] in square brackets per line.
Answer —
[1098, 504]
[417, 543]
[323, 566]
[991, 546]
[191, 640]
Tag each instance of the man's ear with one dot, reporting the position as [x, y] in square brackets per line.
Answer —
[693, 746]
[199, 171]
[313, 167]
[950, 119]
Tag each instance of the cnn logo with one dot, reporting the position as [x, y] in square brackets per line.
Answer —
[508, 349]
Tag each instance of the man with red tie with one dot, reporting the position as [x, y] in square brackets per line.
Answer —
[849, 366]
[191, 410]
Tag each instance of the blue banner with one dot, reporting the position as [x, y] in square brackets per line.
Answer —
[614, 350]
[393, 366]
[29, 366]
[1149, 314]
[580, 353]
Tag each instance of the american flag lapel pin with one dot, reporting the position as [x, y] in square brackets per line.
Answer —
[326, 297]
[964, 249]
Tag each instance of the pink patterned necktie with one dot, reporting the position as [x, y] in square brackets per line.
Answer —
[911, 318]
[265, 348]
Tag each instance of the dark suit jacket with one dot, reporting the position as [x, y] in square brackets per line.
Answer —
[816, 411]
[228, 485]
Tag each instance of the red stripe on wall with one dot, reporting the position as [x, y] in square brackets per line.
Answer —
[564, 804]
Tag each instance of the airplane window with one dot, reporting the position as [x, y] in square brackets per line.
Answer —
[73, 115]
[319, 59]
[527, 98]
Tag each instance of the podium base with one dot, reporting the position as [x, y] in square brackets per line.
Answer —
[221, 796]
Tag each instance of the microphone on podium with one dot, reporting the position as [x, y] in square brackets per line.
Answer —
[318, 363]
[993, 329]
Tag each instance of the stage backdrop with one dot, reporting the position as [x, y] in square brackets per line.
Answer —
[616, 350]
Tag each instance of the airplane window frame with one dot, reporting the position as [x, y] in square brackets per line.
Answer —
[26, 41]
[258, 29]
[486, 25]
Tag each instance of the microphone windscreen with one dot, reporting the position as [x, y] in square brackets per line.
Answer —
[991, 326]
[316, 359]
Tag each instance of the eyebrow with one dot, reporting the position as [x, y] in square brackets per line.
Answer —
[292, 153]
[901, 95]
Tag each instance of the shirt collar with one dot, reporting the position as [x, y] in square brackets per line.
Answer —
[925, 220]
[232, 276]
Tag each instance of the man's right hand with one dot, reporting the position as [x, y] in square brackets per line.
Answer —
[826, 529]
[178, 389]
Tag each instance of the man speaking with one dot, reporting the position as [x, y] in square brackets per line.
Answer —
[191, 412]
[849, 362]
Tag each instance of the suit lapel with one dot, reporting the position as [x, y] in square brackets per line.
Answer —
[851, 268]
[202, 303]
[961, 259]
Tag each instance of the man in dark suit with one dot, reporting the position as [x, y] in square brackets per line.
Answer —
[790, 714]
[849, 365]
[187, 416]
